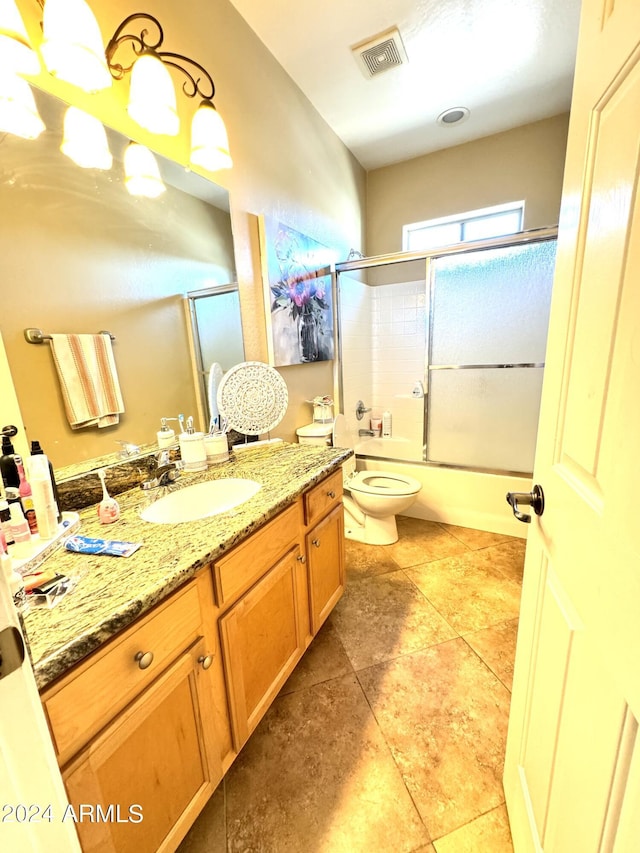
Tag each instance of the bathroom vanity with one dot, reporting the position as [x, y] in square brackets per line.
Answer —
[156, 669]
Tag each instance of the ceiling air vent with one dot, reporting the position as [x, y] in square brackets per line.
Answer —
[380, 53]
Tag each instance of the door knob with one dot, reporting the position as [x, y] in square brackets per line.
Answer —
[534, 499]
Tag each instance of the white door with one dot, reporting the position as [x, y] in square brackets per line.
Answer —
[32, 796]
[572, 772]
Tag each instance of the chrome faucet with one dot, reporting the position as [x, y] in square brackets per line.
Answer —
[361, 409]
[128, 449]
[166, 471]
[362, 432]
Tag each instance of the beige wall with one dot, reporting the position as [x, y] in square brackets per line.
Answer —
[287, 164]
[524, 163]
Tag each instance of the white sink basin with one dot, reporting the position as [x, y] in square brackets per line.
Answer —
[200, 500]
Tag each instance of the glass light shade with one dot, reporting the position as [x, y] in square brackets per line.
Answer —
[18, 112]
[16, 53]
[72, 46]
[152, 97]
[85, 140]
[209, 142]
[142, 175]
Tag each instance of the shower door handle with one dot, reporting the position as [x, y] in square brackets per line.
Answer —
[534, 499]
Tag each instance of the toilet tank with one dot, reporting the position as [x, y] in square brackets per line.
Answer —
[315, 433]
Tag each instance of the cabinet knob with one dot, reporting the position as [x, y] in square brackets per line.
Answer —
[205, 661]
[315, 542]
[331, 494]
[301, 558]
[145, 659]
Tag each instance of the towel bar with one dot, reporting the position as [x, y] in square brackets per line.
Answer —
[36, 336]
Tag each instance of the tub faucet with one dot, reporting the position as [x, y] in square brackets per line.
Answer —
[360, 410]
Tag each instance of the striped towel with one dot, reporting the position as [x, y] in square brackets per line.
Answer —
[88, 379]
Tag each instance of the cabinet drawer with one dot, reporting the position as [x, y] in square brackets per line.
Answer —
[88, 698]
[323, 497]
[238, 571]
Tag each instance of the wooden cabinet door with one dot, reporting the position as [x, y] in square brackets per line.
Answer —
[140, 784]
[325, 563]
[263, 637]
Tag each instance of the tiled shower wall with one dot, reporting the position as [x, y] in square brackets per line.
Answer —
[383, 355]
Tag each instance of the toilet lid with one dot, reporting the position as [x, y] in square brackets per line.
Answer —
[315, 430]
[377, 482]
[342, 438]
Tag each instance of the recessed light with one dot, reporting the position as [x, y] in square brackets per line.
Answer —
[454, 115]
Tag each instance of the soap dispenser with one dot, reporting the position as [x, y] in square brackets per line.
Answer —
[192, 448]
[166, 436]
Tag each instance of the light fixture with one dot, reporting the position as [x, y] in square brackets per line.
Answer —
[18, 112]
[142, 175]
[209, 143]
[152, 98]
[85, 140]
[152, 104]
[454, 115]
[72, 46]
[16, 53]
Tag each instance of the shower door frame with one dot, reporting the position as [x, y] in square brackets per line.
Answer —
[536, 235]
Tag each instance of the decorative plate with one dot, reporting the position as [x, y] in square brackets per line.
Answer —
[253, 397]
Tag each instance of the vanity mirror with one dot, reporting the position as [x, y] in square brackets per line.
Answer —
[79, 254]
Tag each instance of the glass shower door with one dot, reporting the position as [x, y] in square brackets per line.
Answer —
[488, 332]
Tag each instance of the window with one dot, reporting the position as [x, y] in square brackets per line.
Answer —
[480, 224]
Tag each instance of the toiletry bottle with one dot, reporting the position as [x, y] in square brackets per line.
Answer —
[5, 522]
[26, 498]
[8, 464]
[14, 581]
[43, 500]
[19, 527]
[36, 450]
[386, 425]
[165, 435]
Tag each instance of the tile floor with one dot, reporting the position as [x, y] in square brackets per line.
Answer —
[389, 735]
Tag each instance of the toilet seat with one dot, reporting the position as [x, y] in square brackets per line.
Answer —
[383, 483]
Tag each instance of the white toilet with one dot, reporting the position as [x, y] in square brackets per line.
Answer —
[315, 433]
[375, 497]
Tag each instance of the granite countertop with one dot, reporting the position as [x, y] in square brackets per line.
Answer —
[113, 591]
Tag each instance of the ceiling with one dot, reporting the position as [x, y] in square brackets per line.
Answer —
[509, 62]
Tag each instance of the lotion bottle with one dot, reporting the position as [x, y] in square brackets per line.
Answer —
[26, 498]
[386, 425]
[14, 581]
[43, 499]
[36, 450]
[19, 527]
[5, 521]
